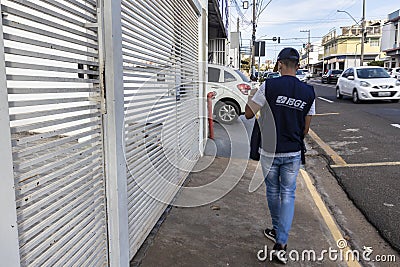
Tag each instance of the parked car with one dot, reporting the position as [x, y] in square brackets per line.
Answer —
[331, 76]
[394, 72]
[272, 75]
[307, 73]
[368, 83]
[266, 73]
[301, 76]
[231, 88]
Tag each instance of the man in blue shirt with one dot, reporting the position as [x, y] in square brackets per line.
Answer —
[286, 105]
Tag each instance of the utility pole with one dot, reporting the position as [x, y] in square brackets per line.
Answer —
[362, 35]
[308, 49]
[253, 38]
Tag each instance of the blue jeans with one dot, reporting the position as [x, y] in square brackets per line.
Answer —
[280, 179]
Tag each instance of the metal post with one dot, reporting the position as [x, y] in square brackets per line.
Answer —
[9, 245]
[355, 57]
[115, 166]
[323, 60]
[203, 44]
[253, 38]
[362, 35]
[259, 59]
[308, 49]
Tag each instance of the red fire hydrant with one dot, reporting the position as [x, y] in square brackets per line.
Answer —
[210, 97]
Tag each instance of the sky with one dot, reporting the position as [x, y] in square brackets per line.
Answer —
[286, 18]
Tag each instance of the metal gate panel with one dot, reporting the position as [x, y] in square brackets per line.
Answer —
[188, 106]
[55, 106]
[160, 54]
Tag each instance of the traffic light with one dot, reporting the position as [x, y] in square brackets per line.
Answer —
[365, 37]
[276, 39]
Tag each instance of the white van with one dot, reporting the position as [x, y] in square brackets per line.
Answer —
[231, 89]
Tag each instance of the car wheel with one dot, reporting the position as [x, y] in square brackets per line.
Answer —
[395, 101]
[356, 99]
[338, 94]
[226, 112]
[322, 81]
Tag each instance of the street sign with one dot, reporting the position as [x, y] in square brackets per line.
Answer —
[259, 48]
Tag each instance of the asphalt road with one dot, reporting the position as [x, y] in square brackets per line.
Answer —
[360, 134]
[364, 133]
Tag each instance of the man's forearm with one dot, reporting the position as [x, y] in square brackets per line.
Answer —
[250, 109]
[307, 124]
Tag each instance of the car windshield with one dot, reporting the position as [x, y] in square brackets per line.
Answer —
[273, 75]
[244, 77]
[337, 71]
[299, 72]
[372, 73]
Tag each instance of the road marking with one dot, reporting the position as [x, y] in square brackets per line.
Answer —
[374, 164]
[327, 114]
[332, 226]
[338, 160]
[396, 125]
[324, 99]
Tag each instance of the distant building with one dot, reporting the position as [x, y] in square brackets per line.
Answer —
[391, 40]
[344, 50]
[315, 60]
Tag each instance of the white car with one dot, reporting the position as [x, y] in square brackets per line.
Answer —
[231, 88]
[307, 73]
[301, 76]
[368, 83]
[395, 72]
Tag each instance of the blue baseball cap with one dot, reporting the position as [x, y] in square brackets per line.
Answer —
[287, 53]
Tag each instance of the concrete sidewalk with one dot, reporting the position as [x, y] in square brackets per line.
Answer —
[229, 231]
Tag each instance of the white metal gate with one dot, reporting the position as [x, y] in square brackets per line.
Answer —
[160, 55]
[103, 108]
[52, 72]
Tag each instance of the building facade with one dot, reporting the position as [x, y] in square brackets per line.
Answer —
[344, 50]
[313, 58]
[391, 40]
[218, 32]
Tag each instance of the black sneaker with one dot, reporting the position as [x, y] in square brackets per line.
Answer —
[279, 253]
[270, 234]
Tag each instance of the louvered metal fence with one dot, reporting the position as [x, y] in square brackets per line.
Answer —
[99, 117]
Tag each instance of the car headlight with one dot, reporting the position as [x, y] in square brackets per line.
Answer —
[398, 83]
[365, 84]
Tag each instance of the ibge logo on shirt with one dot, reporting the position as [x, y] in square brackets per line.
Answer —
[290, 102]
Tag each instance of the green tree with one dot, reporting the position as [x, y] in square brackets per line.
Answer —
[376, 63]
[245, 64]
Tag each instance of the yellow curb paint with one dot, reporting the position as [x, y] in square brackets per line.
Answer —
[333, 228]
[326, 114]
[373, 164]
[338, 160]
